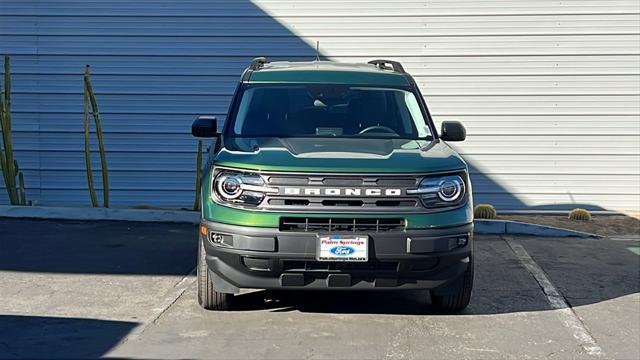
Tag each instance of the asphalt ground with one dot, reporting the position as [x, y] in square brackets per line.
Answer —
[118, 289]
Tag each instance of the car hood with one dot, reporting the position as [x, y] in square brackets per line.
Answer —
[338, 155]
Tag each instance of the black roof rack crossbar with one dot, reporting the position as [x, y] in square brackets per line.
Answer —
[257, 63]
[383, 64]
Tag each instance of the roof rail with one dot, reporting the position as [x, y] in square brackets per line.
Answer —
[383, 64]
[257, 63]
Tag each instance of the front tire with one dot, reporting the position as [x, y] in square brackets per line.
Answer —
[208, 297]
[457, 297]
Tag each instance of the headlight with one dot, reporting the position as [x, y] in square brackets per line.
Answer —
[229, 186]
[240, 188]
[440, 191]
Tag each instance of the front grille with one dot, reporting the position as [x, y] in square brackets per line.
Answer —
[372, 193]
[303, 224]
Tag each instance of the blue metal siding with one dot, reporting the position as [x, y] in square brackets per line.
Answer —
[548, 90]
[155, 66]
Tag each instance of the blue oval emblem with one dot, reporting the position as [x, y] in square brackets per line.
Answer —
[342, 250]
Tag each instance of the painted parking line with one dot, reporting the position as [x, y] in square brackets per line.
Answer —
[555, 299]
[634, 249]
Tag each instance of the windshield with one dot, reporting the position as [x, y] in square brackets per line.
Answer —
[328, 110]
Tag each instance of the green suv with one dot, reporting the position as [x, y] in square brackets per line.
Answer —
[331, 176]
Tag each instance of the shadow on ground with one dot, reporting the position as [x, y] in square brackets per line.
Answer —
[100, 247]
[58, 337]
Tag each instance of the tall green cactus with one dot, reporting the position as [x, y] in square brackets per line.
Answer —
[87, 147]
[8, 164]
[196, 202]
[23, 193]
[89, 98]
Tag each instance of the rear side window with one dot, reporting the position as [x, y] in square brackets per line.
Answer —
[320, 110]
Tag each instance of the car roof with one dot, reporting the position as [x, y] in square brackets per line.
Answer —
[327, 72]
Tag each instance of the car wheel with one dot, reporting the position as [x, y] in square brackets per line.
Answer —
[208, 297]
[457, 295]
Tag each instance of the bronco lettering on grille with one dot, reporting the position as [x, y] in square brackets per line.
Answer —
[309, 191]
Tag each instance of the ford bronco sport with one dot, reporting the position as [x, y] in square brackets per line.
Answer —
[331, 176]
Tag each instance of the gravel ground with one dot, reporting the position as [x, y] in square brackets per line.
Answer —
[605, 225]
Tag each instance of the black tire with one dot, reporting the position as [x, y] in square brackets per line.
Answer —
[207, 296]
[457, 298]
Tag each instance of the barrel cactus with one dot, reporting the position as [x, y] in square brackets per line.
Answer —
[580, 215]
[484, 211]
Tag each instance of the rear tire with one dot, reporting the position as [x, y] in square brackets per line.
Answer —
[208, 297]
[458, 297]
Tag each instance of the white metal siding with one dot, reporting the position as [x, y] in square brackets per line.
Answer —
[549, 90]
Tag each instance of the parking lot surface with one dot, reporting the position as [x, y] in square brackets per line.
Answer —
[118, 289]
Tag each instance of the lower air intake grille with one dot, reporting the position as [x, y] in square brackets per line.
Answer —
[340, 224]
[322, 266]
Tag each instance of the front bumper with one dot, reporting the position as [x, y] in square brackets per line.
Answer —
[266, 258]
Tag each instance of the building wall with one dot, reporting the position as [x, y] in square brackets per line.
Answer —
[549, 90]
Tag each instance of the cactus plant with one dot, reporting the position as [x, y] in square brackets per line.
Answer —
[87, 150]
[484, 211]
[580, 215]
[8, 164]
[5, 174]
[196, 202]
[23, 193]
[90, 99]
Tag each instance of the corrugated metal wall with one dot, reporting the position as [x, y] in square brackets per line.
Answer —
[549, 90]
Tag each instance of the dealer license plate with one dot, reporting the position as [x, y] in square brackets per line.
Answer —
[342, 248]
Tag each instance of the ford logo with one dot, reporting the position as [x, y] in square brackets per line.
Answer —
[342, 250]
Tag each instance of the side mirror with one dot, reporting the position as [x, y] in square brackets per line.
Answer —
[205, 126]
[453, 131]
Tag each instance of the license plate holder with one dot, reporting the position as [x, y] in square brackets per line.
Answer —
[339, 247]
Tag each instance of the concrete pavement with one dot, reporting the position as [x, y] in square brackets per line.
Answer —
[89, 289]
